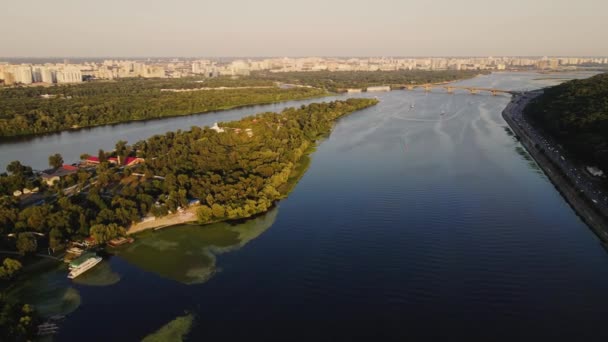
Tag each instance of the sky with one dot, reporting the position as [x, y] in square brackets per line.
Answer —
[255, 28]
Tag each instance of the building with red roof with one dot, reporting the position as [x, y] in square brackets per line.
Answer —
[54, 175]
[92, 160]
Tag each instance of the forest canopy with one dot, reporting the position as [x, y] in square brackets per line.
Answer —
[342, 80]
[576, 114]
[37, 110]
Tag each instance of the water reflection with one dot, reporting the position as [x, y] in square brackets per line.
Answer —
[187, 253]
[100, 275]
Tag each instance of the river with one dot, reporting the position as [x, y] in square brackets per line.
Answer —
[421, 218]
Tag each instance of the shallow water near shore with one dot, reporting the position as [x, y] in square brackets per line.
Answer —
[420, 218]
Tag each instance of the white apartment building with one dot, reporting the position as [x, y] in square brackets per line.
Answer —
[69, 75]
[22, 74]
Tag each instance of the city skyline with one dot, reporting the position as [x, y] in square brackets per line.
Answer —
[69, 72]
[315, 28]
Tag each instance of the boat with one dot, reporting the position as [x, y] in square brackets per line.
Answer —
[85, 266]
[74, 250]
[120, 241]
[81, 260]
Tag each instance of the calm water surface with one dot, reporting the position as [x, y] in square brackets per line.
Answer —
[409, 224]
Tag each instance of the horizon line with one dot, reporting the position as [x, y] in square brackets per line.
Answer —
[312, 56]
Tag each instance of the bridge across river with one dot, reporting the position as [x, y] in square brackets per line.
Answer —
[450, 88]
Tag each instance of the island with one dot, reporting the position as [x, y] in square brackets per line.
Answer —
[230, 171]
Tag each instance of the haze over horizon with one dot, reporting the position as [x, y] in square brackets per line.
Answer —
[190, 28]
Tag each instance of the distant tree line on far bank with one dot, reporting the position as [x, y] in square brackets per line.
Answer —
[38, 110]
[341, 80]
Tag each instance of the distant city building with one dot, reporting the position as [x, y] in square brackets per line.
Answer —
[24, 74]
[70, 75]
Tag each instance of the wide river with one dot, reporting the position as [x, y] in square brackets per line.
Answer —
[421, 218]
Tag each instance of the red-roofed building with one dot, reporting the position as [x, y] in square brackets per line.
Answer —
[90, 242]
[70, 167]
[54, 175]
[130, 161]
[92, 160]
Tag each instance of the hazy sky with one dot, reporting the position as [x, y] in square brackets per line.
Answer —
[86, 28]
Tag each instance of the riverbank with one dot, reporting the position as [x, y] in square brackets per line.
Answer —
[513, 115]
[28, 136]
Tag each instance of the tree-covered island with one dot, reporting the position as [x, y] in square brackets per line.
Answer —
[234, 170]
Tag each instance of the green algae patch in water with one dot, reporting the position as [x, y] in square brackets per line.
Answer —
[175, 330]
[50, 292]
[187, 253]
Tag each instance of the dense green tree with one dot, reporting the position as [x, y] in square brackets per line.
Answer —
[55, 160]
[17, 320]
[16, 168]
[55, 238]
[104, 233]
[26, 243]
[204, 214]
[9, 268]
[101, 155]
[576, 114]
[218, 211]
[121, 149]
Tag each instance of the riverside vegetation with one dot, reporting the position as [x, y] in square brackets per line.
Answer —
[576, 114]
[24, 111]
[39, 110]
[342, 80]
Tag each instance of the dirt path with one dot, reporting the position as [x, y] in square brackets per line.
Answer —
[188, 215]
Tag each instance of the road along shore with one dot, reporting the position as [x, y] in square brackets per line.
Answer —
[577, 200]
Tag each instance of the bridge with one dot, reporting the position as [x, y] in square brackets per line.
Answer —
[450, 89]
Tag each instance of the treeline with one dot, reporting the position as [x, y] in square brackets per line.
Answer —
[18, 321]
[576, 114]
[234, 174]
[342, 80]
[24, 111]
